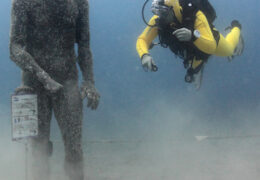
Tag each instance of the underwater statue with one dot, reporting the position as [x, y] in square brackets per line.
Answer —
[42, 41]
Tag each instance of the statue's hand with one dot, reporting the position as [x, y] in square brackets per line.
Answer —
[48, 83]
[52, 85]
[88, 90]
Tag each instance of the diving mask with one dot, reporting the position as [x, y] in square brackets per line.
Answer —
[160, 9]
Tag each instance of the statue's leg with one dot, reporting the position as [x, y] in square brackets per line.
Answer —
[40, 145]
[68, 112]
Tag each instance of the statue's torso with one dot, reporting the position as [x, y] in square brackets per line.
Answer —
[51, 33]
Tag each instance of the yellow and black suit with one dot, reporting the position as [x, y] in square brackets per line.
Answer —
[207, 43]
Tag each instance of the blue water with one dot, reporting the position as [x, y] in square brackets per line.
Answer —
[131, 98]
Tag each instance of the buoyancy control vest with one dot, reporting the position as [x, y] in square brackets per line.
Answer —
[186, 50]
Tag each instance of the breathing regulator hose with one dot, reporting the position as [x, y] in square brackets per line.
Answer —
[145, 3]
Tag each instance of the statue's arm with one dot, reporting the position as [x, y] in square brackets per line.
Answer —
[85, 60]
[18, 40]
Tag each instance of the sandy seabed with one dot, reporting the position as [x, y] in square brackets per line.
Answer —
[178, 159]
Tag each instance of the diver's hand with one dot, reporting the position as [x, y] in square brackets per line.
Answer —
[52, 85]
[148, 63]
[183, 34]
[88, 90]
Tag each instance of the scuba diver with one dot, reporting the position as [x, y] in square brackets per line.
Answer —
[186, 27]
[42, 41]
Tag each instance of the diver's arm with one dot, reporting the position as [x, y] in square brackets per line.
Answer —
[85, 60]
[17, 45]
[145, 39]
[206, 42]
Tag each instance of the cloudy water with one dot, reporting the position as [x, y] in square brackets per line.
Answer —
[147, 123]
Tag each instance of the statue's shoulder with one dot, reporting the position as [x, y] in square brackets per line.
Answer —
[80, 2]
[21, 4]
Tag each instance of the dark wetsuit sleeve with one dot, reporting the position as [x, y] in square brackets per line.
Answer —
[18, 36]
[85, 60]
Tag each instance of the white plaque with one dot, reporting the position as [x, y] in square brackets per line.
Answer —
[24, 116]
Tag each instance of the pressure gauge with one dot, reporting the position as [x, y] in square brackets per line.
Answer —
[196, 33]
